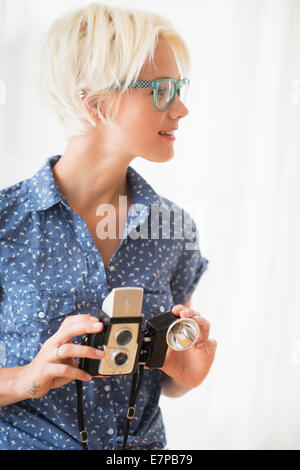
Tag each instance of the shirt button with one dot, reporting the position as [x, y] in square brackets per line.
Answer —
[107, 388]
[41, 314]
[110, 431]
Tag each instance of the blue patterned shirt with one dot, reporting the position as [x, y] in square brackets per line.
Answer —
[50, 268]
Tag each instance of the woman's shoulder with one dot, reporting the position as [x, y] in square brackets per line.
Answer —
[13, 194]
[177, 214]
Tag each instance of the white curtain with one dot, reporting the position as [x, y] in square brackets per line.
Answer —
[236, 169]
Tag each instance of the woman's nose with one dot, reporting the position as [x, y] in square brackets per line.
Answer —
[178, 108]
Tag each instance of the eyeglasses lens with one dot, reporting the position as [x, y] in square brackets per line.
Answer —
[166, 93]
[183, 91]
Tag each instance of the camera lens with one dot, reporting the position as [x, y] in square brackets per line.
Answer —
[123, 337]
[120, 358]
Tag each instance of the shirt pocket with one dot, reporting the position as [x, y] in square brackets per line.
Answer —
[37, 316]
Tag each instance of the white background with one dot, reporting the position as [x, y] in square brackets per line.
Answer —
[236, 170]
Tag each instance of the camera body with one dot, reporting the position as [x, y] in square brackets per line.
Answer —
[126, 343]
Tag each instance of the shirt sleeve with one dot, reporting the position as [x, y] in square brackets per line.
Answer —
[188, 270]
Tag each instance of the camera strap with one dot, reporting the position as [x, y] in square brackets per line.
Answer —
[137, 379]
[80, 416]
[135, 387]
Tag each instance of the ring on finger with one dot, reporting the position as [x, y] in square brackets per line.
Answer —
[57, 351]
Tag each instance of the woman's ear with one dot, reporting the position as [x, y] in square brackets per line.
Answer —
[91, 104]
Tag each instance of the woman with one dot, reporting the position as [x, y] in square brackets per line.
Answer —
[102, 71]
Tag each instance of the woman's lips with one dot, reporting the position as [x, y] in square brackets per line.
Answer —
[168, 137]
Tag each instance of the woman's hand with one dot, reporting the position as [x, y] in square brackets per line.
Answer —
[190, 367]
[54, 365]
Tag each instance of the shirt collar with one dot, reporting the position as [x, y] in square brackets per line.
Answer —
[45, 193]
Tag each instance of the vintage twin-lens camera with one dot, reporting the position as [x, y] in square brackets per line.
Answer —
[126, 343]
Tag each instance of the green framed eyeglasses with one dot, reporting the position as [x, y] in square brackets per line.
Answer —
[165, 90]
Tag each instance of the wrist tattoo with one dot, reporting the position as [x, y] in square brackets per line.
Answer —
[34, 389]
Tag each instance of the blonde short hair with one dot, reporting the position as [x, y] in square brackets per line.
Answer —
[94, 48]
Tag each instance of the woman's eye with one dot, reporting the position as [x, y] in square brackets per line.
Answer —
[160, 92]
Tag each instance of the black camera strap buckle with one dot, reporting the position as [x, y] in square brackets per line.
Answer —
[131, 412]
[84, 436]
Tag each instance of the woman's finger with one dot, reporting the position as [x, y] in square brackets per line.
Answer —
[189, 312]
[76, 325]
[68, 372]
[70, 350]
[204, 328]
[177, 309]
[183, 311]
[209, 346]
